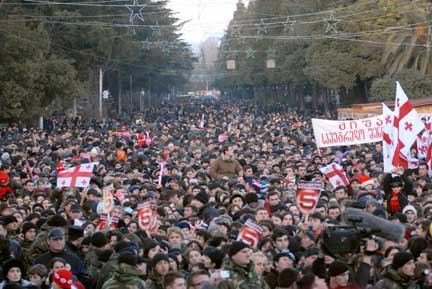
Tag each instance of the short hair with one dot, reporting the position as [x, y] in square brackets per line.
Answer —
[258, 254]
[175, 230]
[170, 278]
[39, 270]
[194, 274]
[279, 233]
[56, 259]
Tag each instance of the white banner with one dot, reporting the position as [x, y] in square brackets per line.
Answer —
[330, 133]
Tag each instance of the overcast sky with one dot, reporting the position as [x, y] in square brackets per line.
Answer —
[207, 17]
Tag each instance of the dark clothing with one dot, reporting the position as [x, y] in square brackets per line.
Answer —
[394, 280]
[208, 213]
[77, 266]
[402, 195]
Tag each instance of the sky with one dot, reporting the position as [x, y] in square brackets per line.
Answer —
[207, 17]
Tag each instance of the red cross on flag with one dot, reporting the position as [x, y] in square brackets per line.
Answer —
[75, 177]
[336, 175]
[389, 136]
[408, 124]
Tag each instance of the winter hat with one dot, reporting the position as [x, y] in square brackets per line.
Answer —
[63, 278]
[9, 219]
[173, 257]
[99, 239]
[202, 197]
[4, 178]
[287, 277]
[397, 180]
[215, 255]
[337, 268]
[56, 221]
[120, 246]
[236, 247]
[75, 232]
[128, 258]
[401, 259]
[12, 263]
[27, 226]
[159, 257]
[409, 208]
[365, 180]
[306, 282]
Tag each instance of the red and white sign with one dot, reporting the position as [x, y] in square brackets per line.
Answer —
[106, 222]
[308, 194]
[336, 175]
[148, 218]
[75, 177]
[330, 133]
[250, 234]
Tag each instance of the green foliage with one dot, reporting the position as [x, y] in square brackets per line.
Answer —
[51, 54]
[359, 59]
[414, 83]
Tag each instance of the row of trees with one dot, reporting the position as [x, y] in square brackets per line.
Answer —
[353, 57]
[52, 53]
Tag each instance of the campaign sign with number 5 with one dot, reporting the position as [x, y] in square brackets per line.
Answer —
[308, 194]
[250, 234]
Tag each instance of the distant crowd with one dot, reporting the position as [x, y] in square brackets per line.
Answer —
[204, 170]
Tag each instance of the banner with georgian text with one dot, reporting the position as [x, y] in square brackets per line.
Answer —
[330, 133]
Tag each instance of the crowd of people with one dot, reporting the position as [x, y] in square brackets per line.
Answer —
[206, 169]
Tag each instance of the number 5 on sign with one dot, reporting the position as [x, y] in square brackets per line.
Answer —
[308, 194]
[250, 234]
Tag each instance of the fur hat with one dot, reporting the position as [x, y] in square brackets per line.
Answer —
[12, 263]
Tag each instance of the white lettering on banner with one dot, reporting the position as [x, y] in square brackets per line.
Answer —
[330, 133]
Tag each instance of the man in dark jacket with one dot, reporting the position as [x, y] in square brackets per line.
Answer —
[56, 248]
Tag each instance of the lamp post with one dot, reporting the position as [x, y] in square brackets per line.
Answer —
[142, 99]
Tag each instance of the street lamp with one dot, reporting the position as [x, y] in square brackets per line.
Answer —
[141, 99]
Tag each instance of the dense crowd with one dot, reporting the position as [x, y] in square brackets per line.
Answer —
[224, 164]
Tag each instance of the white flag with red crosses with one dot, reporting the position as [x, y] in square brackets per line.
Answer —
[75, 177]
[389, 139]
[408, 124]
[336, 175]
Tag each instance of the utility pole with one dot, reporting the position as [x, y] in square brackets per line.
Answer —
[100, 91]
[130, 91]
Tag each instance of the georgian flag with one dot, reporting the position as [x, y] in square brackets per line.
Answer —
[389, 137]
[76, 177]
[408, 124]
[336, 175]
